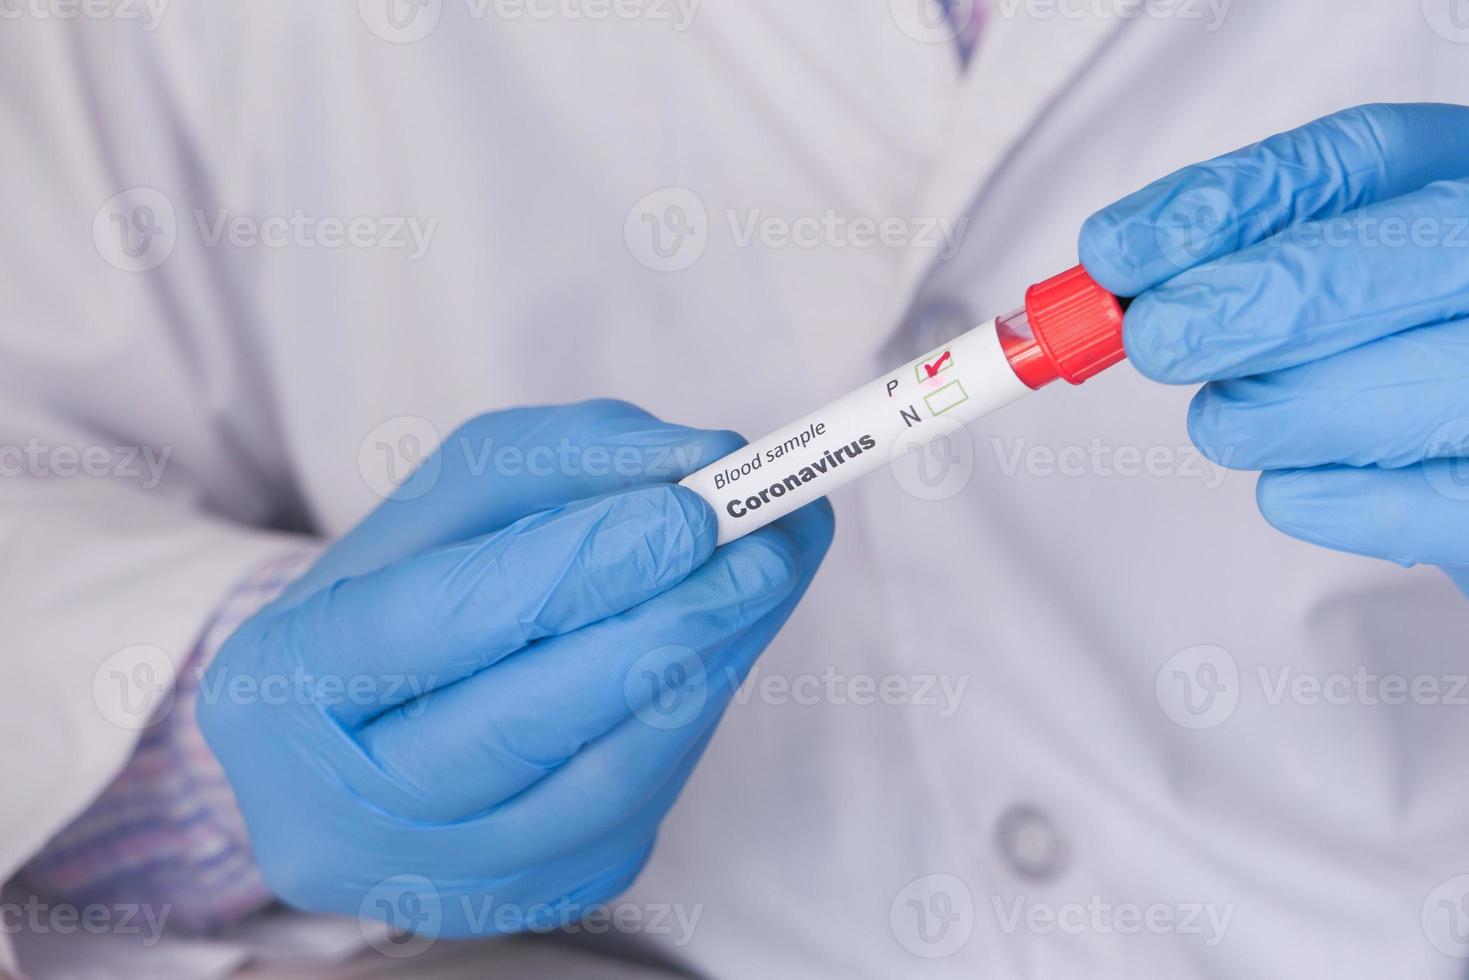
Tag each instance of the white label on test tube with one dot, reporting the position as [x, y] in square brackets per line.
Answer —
[882, 420]
[1070, 328]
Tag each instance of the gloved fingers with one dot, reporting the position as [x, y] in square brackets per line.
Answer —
[1309, 293]
[476, 852]
[1328, 167]
[682, 701]
[812, 528]
[633, 772]
[1412, 515]
[502, 466]
[1392, 402]
[498, 731]
[442, 616]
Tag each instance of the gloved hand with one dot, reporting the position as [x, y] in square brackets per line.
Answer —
[1318, 281]
[513, 674]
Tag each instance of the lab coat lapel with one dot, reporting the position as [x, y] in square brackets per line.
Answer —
[1022, 66]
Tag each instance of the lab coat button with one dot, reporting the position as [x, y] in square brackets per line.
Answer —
[1030, 843]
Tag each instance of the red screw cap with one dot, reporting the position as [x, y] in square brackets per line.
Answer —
[1077, 324]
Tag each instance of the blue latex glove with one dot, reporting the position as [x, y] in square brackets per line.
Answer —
[540, 661]
[1318, 281]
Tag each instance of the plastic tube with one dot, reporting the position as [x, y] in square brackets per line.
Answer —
[1070, 328]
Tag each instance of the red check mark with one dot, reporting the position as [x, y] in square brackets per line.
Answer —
[936, 366]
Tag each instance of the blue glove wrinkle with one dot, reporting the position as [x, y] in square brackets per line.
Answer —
[486, 724]
[1327, 168]
[1295, 298]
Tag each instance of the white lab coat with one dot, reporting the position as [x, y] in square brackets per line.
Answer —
[1055, 589]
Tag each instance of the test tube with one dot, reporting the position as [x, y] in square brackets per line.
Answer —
[1070, 328]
